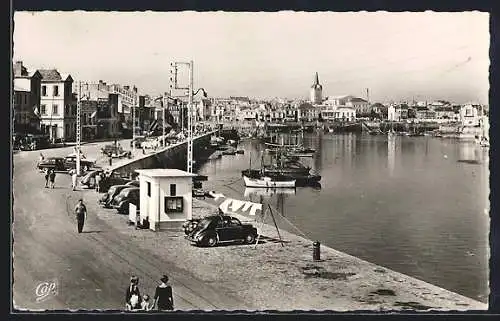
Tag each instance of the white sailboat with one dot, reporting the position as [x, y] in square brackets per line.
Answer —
[268, 182]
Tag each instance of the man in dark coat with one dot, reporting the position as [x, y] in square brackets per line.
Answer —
[81, 213]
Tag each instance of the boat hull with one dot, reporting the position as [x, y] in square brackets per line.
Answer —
[267, 182]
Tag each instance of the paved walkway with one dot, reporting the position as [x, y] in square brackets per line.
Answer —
[92, 269]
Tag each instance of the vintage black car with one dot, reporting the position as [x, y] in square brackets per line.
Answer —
[64, 164]
[112, 180]
[88, 181]
[113, 191]
[129, 195]
[85, 164]
[53, 163]
[134, 183]
[215, 229]
[190, 225]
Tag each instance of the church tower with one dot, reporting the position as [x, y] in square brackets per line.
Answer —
[316, 92]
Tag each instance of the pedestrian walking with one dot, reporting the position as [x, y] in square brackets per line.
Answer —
[133, 295]
[46, 177]
[98, 182]
[110, 159]
[74, 178]
[81, 214]
[52, 178]
[164, 300]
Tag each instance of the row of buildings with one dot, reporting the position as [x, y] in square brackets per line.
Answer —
[45, 101]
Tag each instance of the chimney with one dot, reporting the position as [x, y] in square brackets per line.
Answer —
[135, 89]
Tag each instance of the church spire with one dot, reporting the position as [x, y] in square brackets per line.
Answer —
[316, 79]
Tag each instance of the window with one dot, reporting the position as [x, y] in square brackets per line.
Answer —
[44, 90]
[25, 99]
[54, 110]
[173, 204]
[66, 110]
[43, 110]
[56, 90]
[173, 189]
[148, 184]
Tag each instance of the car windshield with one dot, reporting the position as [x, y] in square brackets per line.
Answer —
[204, 223]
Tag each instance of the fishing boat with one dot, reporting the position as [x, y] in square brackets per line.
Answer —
[300, 179]
[267, 182]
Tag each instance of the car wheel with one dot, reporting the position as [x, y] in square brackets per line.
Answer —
[211, 241]
[250, 239]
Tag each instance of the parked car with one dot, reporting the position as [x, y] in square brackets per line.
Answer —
[109, 181]
[88, 180]
[133, 183]
[55, 163]
[216, 229]
[85, 164]
[107, 198]
[129, 195]
[190, 225]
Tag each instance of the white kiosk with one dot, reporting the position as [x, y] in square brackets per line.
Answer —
[166, 197]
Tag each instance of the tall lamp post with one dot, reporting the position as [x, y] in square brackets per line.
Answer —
[78, 127]
[191, 94]
[133, 123]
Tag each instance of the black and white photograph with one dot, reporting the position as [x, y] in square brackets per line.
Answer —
[250, 161]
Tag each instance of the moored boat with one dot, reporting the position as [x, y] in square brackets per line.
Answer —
[267, 182]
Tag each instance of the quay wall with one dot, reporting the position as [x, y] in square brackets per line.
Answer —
[173, 156]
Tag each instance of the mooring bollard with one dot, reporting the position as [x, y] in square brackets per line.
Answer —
[316, 251]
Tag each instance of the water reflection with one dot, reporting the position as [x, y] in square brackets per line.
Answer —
[469, 153]
[391, 153]
[254, 191]
[431, 213]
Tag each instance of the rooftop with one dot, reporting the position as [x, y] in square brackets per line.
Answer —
[164, 172]
[52, 75]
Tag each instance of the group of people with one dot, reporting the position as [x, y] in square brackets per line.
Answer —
[162, 301]
[50, 178]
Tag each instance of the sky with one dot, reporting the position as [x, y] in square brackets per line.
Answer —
[421, 56]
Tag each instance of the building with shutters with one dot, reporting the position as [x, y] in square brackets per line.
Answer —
[57, 105]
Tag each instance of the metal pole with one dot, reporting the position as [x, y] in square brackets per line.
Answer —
[78, 127]
[190, 129]
[163, 120]
[133, 124]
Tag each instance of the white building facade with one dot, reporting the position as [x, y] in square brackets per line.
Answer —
[57, 105]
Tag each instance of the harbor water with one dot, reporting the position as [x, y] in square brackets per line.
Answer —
[416, 205]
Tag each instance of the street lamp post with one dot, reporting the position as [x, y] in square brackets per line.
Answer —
[78, 127]
[133, 124]
[191, 94]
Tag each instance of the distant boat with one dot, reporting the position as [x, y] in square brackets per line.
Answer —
[267, 182]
